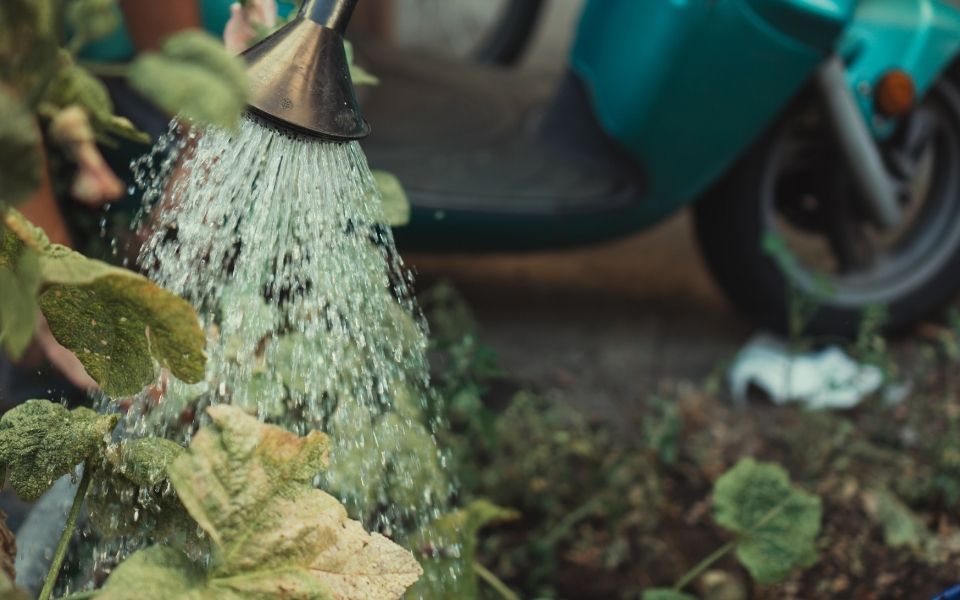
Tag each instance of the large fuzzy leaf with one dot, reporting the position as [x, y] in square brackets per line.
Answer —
[41, 441]
[195, 77]
[249, 486]
[20, 158]
[118, 323]
[777, 523]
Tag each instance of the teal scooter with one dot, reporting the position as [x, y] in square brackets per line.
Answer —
[832, 125]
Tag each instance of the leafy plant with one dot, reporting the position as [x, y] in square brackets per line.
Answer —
[775, 524]
[246, 484]
[249, 486]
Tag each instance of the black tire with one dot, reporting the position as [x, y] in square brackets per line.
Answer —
[731, 223]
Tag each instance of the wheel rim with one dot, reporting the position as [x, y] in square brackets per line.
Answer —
[810, 203]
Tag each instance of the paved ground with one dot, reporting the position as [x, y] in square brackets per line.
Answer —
[599, 326]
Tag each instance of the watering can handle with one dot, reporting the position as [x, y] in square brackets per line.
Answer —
[334, 14]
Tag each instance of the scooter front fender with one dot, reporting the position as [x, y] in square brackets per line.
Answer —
[685, 86]
[920, 37]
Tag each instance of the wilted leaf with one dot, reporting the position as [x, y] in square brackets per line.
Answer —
[777, 523]
[248, 485]
[451, 542]
[116, 321]
[20, 158]
[396, 206]
[195, 77]
[41, 441]
[20, 282]
[666, 594]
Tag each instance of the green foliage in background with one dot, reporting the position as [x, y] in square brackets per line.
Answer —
[192, 76]
[776, 523]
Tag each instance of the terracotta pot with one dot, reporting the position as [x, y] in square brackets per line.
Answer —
[149, 22]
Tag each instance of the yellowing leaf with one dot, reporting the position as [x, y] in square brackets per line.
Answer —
[777, 523]
[116, 321]
[195, 77]
[249, 486]
[41, 441]
[20, 158]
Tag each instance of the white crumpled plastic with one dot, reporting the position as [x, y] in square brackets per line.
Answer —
[827, 378]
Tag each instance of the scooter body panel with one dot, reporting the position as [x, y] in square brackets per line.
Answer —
[920, 37]
[688, 94]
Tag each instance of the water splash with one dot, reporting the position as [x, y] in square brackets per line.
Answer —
[280, 243]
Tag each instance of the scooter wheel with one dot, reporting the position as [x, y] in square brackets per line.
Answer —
[785, 231]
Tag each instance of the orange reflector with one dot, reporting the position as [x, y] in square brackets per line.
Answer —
[894, 94]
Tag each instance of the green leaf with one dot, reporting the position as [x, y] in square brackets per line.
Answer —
[777, 523]
[193, 76]
[74, 85]
[18, 305]
[41, 441]
[249, 486]
[91, 20]
[28, 45]
[358, 74]
[145, 461]
[157, 572]
[451, 543]
[116, 321]
[396, 206]
[666, 594]
[21, 164]
[130, 495]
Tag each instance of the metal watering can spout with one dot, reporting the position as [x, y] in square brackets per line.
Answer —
[300, 78]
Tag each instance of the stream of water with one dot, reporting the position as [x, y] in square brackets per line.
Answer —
[280, 243]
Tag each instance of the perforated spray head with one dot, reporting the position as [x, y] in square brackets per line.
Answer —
[300, 78]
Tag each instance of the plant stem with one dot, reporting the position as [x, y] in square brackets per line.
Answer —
[571, 519]
[704, 564]
[61, 552]
[494, 582]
